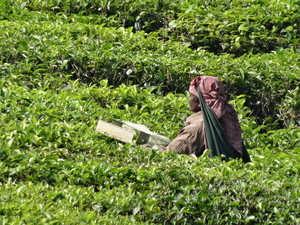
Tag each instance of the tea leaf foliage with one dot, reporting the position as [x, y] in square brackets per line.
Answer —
[252, 46]
[65, 64]
[56, 169]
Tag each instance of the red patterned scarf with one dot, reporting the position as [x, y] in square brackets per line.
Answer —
[213, 92]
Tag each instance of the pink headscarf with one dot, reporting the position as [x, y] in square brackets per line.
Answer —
[213, 92]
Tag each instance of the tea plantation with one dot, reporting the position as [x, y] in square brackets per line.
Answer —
[65, 64]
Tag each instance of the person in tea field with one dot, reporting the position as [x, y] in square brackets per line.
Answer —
[192, 138]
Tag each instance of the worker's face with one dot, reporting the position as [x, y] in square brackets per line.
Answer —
[194, 104]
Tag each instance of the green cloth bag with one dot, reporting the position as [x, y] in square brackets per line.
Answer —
[216, 138]
[246, 157]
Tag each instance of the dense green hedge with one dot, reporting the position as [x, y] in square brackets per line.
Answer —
[55, 169]
[236, 27]
[136, 59]
[36, 47]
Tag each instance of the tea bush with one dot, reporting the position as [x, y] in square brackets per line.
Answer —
[66, 64]
[92, 47]
[92, 52]
[236, 27]
[56, 169]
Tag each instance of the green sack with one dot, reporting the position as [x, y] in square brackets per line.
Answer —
[245, 156]
[216, 138]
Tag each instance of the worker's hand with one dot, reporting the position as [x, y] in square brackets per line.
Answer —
[146, 146]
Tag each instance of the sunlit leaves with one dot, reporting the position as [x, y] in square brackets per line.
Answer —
[52, 161]
[54, 167]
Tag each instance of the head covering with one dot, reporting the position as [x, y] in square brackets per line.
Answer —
[213, 93]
